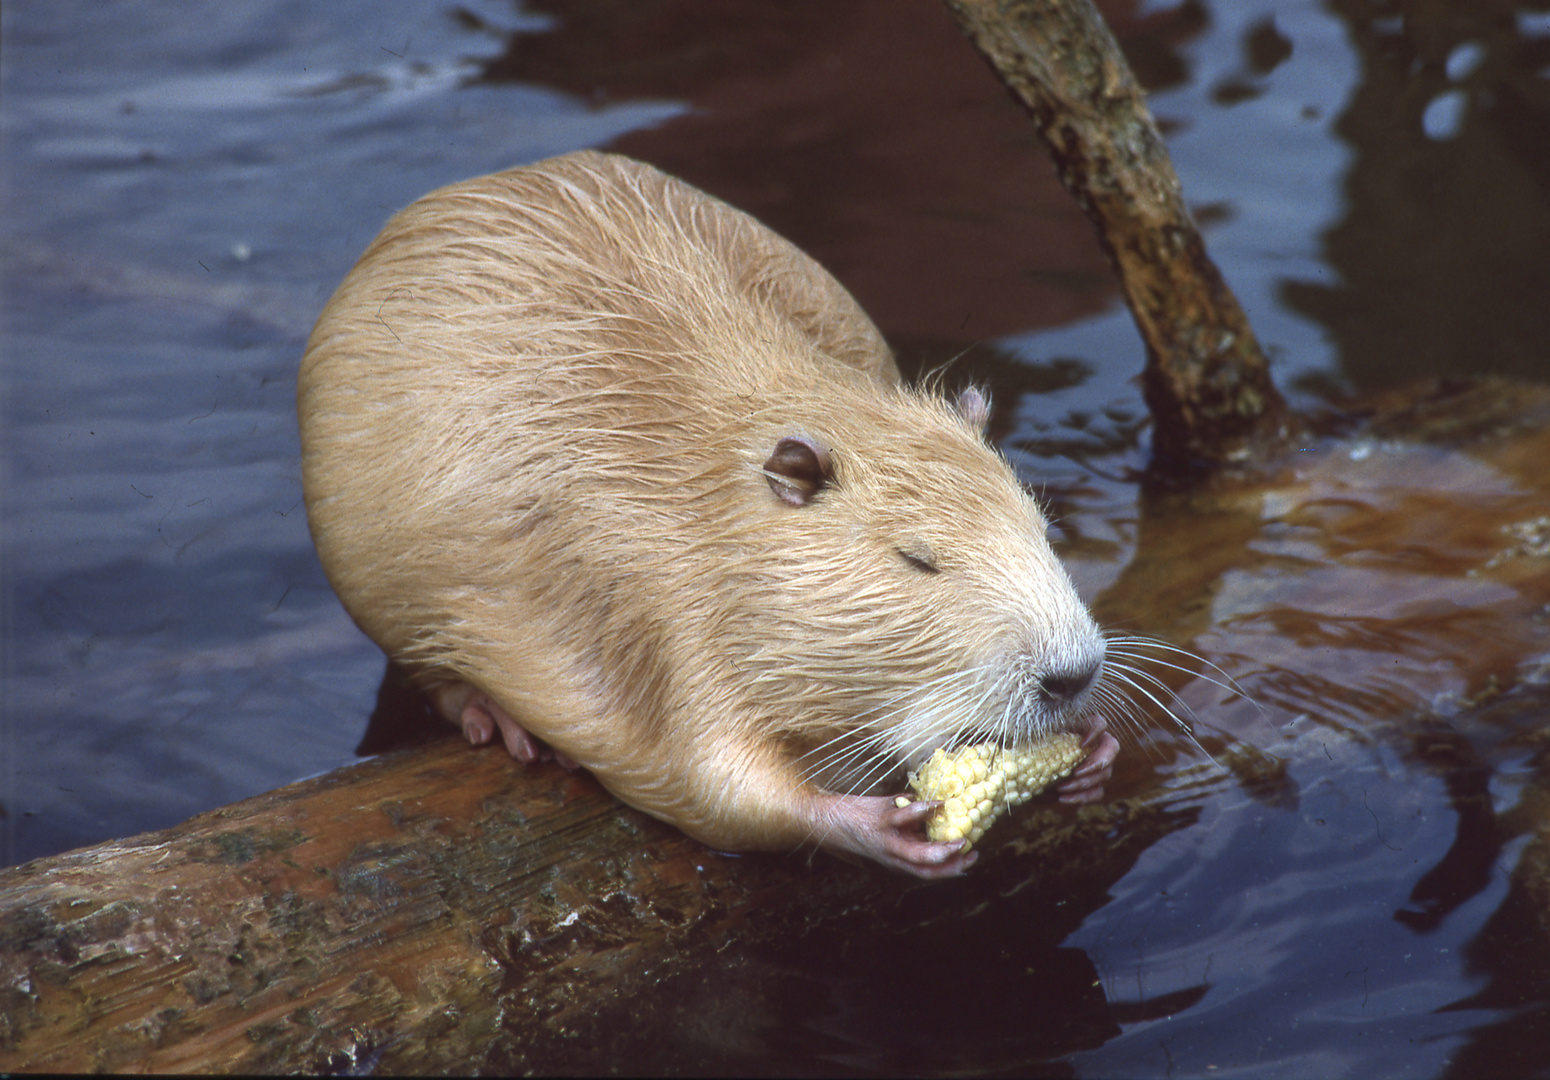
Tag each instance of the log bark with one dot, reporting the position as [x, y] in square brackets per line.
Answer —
[414, 913]
[1206, 380]
[444, 910]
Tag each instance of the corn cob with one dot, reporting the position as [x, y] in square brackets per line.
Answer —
[977, 783]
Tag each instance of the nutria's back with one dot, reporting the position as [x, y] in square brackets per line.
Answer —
[644, 473]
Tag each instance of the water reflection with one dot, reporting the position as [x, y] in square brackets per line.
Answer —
[1378, 602]
[1511, 951]
[1265, 48]
[867, 133]
[1441, 252]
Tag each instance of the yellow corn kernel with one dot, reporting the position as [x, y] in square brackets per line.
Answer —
[975, 784]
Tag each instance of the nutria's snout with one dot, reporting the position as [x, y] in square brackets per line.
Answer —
[1053, 693]
[1067, 688]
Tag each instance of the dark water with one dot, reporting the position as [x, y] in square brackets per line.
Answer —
[185, 185]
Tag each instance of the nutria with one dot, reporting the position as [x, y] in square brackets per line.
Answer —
[606, 463]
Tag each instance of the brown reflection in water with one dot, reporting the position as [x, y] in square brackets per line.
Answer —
[1374, 581]
[1444, 250]
[869, 133]
[1394, 588]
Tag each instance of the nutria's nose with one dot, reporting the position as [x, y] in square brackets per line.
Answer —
[1063, 686]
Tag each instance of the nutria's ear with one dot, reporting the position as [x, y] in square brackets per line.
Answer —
[974, 406]
[799, 469]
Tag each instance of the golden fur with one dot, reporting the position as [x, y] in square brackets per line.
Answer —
[535, 420]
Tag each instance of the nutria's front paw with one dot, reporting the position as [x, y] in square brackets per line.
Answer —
[895, 836]
[1085, 784]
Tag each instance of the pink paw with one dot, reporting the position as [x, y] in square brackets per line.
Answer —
[1085, 785]
[895, 836]
[480, 718]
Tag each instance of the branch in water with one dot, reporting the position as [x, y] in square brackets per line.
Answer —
[1206, 380]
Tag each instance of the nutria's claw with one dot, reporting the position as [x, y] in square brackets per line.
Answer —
[1085, 785]
[911, 812]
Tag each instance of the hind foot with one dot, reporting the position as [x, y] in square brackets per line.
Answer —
[479, 717]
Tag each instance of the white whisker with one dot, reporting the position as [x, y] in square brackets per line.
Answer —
[1135, 677]
[988, 704]
[1118, 642]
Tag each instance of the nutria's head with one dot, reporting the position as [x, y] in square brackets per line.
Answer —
[913, 600]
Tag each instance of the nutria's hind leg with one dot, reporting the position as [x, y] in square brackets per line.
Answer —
[895, 836]
[478, 715]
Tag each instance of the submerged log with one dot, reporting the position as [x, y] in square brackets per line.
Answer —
[1206, 380]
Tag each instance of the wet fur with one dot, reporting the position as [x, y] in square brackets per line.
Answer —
[535, 419]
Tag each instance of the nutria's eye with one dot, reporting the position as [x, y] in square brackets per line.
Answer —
[920, 556]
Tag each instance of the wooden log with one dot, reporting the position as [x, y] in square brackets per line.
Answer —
[395, 913]
[444, 910]
[1206, 380]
